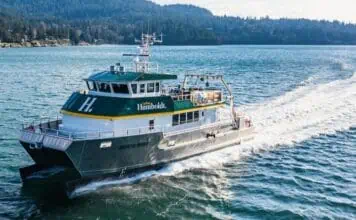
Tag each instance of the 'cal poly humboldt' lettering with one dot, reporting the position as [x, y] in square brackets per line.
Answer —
[150, 106]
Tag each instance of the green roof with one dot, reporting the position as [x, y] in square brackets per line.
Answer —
[108, 76]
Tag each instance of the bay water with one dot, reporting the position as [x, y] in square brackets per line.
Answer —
[301, 164]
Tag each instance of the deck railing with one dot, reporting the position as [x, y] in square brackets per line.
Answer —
[197, 97]
[37, 133]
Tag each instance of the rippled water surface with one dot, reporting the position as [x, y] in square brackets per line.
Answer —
[301, 165]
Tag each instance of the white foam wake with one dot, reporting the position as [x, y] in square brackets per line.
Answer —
[307, 111]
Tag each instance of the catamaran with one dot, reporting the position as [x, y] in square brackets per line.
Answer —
[130, 120]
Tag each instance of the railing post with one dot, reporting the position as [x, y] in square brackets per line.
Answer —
[57, 123]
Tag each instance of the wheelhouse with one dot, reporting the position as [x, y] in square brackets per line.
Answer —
[127, 84]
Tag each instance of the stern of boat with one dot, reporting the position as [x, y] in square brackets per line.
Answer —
[47, 147]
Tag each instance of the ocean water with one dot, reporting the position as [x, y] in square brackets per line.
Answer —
[301, 165]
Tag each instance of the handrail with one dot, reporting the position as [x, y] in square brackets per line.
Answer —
[154, 67]
[193, 97]
[181, 97]
[223, 122]
[42, 121]
[87, 135]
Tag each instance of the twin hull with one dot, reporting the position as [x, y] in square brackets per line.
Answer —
[91, 158]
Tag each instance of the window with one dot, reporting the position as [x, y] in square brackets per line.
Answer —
[150, 87]
[142, 88]
[202, 113]
[120, 88]
[104, 87]
[152, 124]
[175, 120]
[190, 117]
[196, 116]
[183, 118]
[134, 88]
[157, 87]
[91, 86]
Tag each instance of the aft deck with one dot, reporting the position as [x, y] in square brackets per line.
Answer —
[197, 96]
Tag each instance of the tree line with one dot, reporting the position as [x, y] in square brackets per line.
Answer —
[120, 21]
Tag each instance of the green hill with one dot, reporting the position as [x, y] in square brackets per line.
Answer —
[120, 21]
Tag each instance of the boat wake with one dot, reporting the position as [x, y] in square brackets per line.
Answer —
[341, 65]
[306, 112]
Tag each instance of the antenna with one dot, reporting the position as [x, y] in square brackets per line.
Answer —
[141, 60]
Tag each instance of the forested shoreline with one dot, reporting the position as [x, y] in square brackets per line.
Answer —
[120, 22]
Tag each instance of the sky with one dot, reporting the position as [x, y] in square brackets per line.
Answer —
[343, 10]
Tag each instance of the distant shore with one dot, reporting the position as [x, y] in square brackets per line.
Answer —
[68, 43]
[42, 43]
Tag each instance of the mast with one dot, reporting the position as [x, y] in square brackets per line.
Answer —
[142, 59]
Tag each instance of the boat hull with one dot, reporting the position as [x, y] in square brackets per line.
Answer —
[123, 156]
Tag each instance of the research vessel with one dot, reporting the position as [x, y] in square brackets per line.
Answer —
[133, 119]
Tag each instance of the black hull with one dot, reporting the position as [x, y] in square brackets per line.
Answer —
[85, 160]
[68, 179]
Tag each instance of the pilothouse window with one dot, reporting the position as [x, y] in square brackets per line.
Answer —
[91, 86]
[134, 88]
[157, 87]
[150, 87]
[104, 87]
[142, 88]
[120, 88]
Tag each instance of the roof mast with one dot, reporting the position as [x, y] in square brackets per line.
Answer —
[141, 60]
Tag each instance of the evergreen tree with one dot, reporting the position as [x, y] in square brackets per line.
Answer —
[120, 21]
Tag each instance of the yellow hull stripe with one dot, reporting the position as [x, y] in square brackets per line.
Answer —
[137, 115]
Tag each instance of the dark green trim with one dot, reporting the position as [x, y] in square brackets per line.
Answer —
[115, 106]
[182, 105]
[108, 76]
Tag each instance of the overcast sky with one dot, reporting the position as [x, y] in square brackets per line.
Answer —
[344, 10]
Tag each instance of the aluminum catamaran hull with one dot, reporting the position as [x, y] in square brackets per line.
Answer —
[86, 159]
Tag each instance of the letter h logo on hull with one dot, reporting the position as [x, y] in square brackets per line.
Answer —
[86, 107]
